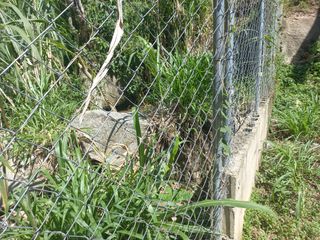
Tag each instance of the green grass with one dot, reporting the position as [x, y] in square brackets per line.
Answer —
[80, 198]
[35, 75]
[85, 200]
[182, 81]
[289, 179]
[27, 82]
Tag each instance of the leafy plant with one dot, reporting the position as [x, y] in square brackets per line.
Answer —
[288, 183]
[289, 178]
[180, 80]
[296, 110]
[34, 82]
[78, 198]
[84, 200]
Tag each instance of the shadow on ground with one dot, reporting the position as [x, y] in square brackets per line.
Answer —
[301, 60]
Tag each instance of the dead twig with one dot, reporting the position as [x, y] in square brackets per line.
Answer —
[117, 35]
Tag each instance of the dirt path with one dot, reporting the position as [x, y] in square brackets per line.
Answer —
[299, 31]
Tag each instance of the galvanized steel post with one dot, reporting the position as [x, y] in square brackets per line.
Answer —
[275, 7]
[260, 58]
[219, 13]
[229, 85]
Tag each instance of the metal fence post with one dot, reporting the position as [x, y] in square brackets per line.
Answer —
[274, 46]
[260, 58]
[229, 85]
[219, 11]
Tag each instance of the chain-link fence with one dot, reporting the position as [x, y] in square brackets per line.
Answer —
[117, 118]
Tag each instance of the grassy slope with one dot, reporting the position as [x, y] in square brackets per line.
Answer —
[289, 180]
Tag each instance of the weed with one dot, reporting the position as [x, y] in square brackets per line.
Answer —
[79, 199]
[179, 80]
[289, 178]
[289, 183]
[35, 81]
[83, 200]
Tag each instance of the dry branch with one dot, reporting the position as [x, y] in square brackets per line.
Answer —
[117, 35]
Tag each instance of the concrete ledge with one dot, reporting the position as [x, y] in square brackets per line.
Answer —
[241, 171]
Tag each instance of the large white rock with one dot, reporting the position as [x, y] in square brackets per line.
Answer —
[108, 137]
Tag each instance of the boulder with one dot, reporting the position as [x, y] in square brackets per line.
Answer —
[108, 137]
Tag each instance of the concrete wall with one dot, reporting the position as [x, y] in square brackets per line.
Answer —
[242, 169]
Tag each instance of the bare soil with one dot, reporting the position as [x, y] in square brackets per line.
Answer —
[300, 29]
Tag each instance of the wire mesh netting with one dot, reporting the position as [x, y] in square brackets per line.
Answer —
[117, 118]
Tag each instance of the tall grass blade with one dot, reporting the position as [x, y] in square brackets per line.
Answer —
[4, 195]
[141, 146]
